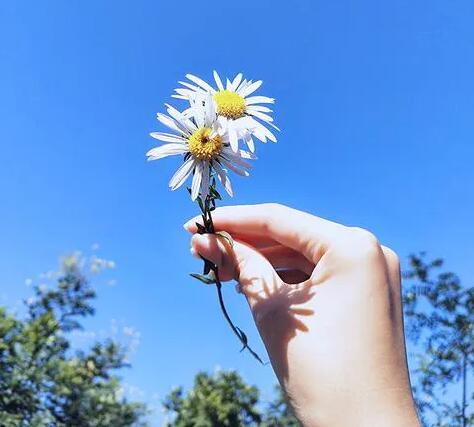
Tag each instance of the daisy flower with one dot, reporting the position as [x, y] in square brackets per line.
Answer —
[205, 146]
[237, 110]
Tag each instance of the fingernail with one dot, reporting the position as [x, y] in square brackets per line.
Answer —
[187, 225]
[193, 252]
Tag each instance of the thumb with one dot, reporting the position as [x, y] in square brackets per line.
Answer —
[255, 274]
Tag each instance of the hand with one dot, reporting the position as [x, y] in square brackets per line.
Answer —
[326, 302]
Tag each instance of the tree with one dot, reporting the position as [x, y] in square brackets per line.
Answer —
[440, 322]
[225, 400]
[43, 381]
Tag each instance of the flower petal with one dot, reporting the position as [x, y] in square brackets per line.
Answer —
[250, 89]
[196, 184]
[192, 87]
[236, 81]
[261, 116]
[205, 180]
[233, 168]
[181, 174]
[218, 80]
[260, 108]
[167, 137]
[200, 83]
[166, 150]
[223, 178]
[234, 142]
[259, 100]
[172, 124]
[179, 117]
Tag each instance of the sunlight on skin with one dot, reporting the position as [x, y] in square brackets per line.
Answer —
[326, 301]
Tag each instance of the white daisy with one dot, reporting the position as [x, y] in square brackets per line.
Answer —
[204, 145]
[238, 111]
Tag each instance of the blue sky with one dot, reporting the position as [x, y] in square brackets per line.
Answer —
[376, 105]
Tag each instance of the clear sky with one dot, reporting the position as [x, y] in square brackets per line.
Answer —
[376, 105]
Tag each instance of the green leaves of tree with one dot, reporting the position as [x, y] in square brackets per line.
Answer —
[224, 399]
[43, 381]
[440, 322]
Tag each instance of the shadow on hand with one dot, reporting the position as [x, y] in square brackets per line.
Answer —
[278, 309]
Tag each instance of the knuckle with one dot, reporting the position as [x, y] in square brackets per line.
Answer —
[271, 206]
[393, 260]
[363, 236]
[363, 243]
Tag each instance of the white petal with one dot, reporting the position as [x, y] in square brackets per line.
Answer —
[243, 85]
[167, 137]
[261, 116]
[210, 111]
[192, 87]
[236, 81]
[234, 142]
[260, 108]
[223, 178]
[186, 93]
[198, 111]
[251, 88]
[246, 155]
[218, 81]
[166, 150]
[196, 184]
[180, 118]
[205, 180]
[182, 173]
[259, 100]
[249, 141]
[200, 83]
[228, 85]
[172, 124]
[234, 158]
[262, 130]
[233, 168]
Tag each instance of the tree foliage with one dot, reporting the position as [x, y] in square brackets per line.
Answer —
[440, 322]
[225, 400]
[43, 381]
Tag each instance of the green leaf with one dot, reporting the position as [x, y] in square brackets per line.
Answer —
[201, 228]
[226, 236]
[204, 279]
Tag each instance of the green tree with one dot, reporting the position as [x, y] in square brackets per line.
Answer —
[43, 381]
[440, 322]
[225, 400]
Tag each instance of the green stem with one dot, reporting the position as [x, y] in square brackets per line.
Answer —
[208, 227]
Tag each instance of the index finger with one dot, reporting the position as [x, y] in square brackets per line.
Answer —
[308, 234]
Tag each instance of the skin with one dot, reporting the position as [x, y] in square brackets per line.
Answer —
[326, 301]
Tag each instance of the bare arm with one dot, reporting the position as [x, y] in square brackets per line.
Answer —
[326, 301]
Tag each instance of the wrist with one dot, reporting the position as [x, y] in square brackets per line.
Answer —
[389, 408]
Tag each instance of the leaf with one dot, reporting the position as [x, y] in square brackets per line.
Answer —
[226, 236]
[243, 338]
[204, 279]
[201, 228]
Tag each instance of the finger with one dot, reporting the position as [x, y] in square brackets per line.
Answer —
[393, 268]
[257, 242]
[282, 257]
[240, 262]
[298, 230]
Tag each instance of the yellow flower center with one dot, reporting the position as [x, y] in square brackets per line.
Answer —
[202, 147]
[229, 104]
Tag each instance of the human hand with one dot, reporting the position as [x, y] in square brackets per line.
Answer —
[326, 301]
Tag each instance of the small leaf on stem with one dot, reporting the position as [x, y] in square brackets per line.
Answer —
[204, 279]
[226, 236]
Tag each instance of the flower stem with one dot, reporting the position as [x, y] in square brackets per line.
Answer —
[207, 206]
[237, 331]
